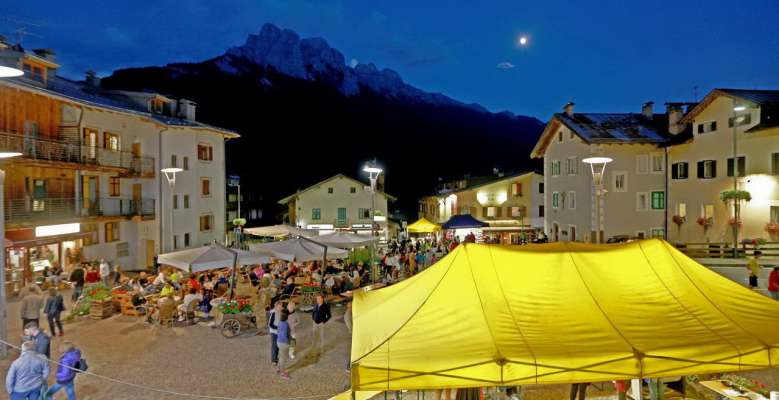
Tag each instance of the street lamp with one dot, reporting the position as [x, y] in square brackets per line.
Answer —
[373, 171]
[598, 167]
[3, 303]
[170, 175]
[736, 202]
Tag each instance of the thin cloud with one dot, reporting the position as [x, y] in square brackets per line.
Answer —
[505, 65]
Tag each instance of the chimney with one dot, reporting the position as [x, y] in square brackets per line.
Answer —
[187, 109]
[646, 110]
[47, 54]
[675, 114]
[92, 80]
[568, 108]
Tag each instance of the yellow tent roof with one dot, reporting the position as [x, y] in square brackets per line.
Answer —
[423, 226]
[490, 315]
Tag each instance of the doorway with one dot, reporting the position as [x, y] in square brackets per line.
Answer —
[149, 253]
[137, 199]
[89, 195]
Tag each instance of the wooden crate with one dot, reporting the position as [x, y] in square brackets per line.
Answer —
[101, 309]
[119, 299]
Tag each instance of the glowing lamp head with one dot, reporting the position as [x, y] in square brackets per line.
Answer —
[10, 72]
[170, 174]
[597, 167]
[171, 170]
[9, 154]
[739, 108]
[597, 160]
[372, 169]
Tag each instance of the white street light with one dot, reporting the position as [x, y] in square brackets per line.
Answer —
[739, 108]
[10, 72]
[170, 175]
[373, 171]
[598, 168]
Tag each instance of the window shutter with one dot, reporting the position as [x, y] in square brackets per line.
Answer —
[519, 189]
[714, 168]
[499, 211]
[730, 167]
[675, 171]
[484, 212]
[742, 166]
[700, 169]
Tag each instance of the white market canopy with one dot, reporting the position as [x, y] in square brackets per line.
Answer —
[345, 240]
[278, 231]
[298, 250]
[209, 257]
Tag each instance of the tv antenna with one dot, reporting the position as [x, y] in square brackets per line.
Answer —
[22, 27]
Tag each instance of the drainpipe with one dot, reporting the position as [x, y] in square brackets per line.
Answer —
[159, 195]
[667, 198]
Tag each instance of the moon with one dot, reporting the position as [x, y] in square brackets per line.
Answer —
[522, 40]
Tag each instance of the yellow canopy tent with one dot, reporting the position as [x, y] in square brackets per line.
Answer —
[423, 226]
[489, 315]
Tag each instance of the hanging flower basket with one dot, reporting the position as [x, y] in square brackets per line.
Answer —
[678, 220]
[772, 228]
[735, 223]
[239, 221]
[706, 223]
[735, 195]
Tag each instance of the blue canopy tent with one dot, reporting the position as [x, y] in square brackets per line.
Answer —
[463, 222]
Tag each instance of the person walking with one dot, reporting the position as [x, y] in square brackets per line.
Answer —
[77, 278]
[41, 339]
[753, 269]
[54, 307]
[32, 303]
[773, 283]
[27, 374]
[273, 328]
[283, 343]
[105, 273]
[66, 371]
[320, 315]
[293, 320]
[348, 323]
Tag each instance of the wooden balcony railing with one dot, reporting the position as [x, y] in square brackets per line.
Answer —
[57, 209]
[725, 250]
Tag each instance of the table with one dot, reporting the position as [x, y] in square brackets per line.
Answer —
[728, 393]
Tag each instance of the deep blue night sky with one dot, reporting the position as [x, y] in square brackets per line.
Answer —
[604, 55]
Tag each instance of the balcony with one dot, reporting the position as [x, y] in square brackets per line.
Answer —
[22, 211]
[61, 151]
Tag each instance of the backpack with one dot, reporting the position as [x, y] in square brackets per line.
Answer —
[81, 365]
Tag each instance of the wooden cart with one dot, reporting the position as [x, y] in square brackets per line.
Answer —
[231, 325]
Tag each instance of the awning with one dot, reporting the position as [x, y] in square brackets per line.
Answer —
[345, 240]
[210, 257]
[347, 395]
[423, 226]
[489, 315]
[278, 231]
[463, 222]
[298, 250]
[46, 240]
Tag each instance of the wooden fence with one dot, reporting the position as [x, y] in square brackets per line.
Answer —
[725, 250]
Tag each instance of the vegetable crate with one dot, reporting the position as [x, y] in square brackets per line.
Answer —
[100, 309]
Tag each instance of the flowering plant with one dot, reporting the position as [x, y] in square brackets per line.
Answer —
[772, 228]
[735, 195]
[735, 222]
[235, 307]
[678, 219]
[705, 222]
[98, 292]
[745, 384]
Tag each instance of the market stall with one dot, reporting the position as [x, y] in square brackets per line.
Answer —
[558, 313]
[279, 231]
[209, 257]
[460, 226]
[299, 249]
[423, 226]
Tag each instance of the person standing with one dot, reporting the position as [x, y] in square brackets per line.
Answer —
[273, 328]
[66, 371]
[27, 374]
[753, 269]
[283, 343]
[773, 283]
[54, 307]
[320, 315]
[42, 340]
[293, 320]
[32, 303]
[105, 273]
[77, 278]
[348, 323]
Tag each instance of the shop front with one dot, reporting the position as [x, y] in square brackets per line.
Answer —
[30, 252]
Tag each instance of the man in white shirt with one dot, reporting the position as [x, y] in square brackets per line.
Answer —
[105, 273]
[193, 295]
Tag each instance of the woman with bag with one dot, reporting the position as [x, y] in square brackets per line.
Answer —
[69, 363]
[53, 308]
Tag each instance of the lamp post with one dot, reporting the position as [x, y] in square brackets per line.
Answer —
[736, 202]
[598, 167]
[170, 175]
[373, 173]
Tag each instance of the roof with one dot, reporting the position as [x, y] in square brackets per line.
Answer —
[318, 184]
[767, 100]
[491, 315]
[607, 128]
[79, 92]
[479, 181]
[463, 221]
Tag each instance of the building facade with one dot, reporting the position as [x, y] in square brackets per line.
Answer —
[635, 180]
[87, 185]
[339, 203]
[704, 167]
[512, 205]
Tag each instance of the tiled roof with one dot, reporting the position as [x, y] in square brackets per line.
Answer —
[617, 128]
[760, 97]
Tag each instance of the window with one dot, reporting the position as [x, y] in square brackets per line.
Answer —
[341, 214]
[175, 202]
[707, 127]
[740, 120]
[111, 232]
[91, 236]
[572, 200]
[206, 222]
[205, 152]
[113, 186]
[555, 166]
[640, 234]
[175, 241]
[707, 169]
[352, 189]
[658, 200]
[681, 209]
[775, 164]
[560, 136]
[642, 201]
[620, 181]
[111, 141]
[541, 211]
[173, 161]
[492, 212]
[707, 210]
[680, 170]
[205, 187]
[516, 189]
[541, 187]
[774, 215]
[555, 200]
[316, 214]
[642, 164]
[185, 163]
[364, 213]
[741, 163]
[186, 240]
[516, 212]
[570, 135]
[657, 233]
[572, 166]
[330, 190]
[658, 163]
[186, 201]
